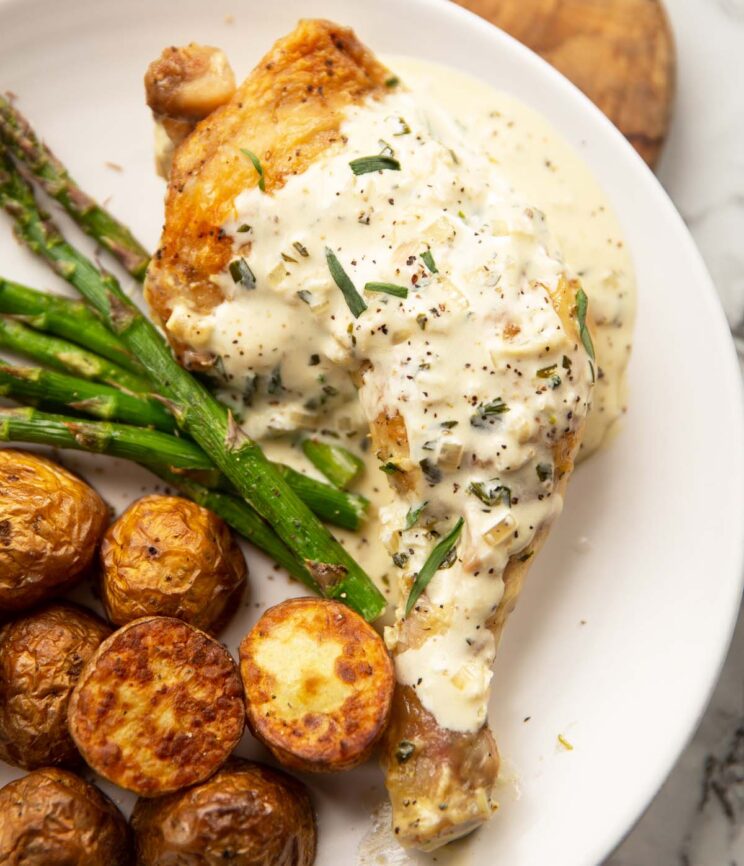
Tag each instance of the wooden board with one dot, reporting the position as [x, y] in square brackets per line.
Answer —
[619, 52]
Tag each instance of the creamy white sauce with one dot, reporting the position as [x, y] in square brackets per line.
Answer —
[475, 359]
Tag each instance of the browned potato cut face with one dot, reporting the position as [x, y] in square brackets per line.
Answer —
[245, 815]
[50, 526]
[158, 707]
[41, 657]
[318, 683]
[53, 818]
[166, 556]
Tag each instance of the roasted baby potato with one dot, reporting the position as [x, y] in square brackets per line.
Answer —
[53, 818]
[158, 707]
[41, 657]
[318, 684]
[50, 525]
[245, 815]
[166, 556]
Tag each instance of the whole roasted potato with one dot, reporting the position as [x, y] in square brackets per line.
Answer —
[158, 707]
[41, 657]
[54, 818]
[245, 815]
[318, 684]
[166, 556]
[50, 525]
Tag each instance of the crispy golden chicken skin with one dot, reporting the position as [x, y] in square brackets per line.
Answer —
[245, 815]
[166, 556]
[41, 656]
[289, 108]
[50, 526]
[318, 683]
[53, 818]
[158, 707]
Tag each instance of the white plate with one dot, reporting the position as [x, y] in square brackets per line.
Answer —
[649, 550]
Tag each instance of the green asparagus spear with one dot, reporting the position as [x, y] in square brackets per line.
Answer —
[67, 357]
[28, 425]
[194, 408]
[339, 465]
[17, 134]
[72, 320]
[159, 451]
[36, 386]
[348, 510]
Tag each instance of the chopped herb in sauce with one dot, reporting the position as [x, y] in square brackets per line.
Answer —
[241, 273]
[582, 304]
[352, 297]
[302, 250]
[486, 412]
[405, 129]
[433, 562]
[549, 373]
[287, 258]
[314, 360]
[400, 560]
[414, 512]
[449, 424]
[387, 289]
[244, 228]
[274, 385]
[544, 471]
[499, 495]
[432, 472]
[305, 296]
[393, 81]
[390, 468]
[257, 165]
[380, 162]
[428, 260]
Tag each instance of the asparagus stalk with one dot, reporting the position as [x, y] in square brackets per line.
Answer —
[38, 386]
[347, 510]
[194, 408]
[28, 425]
[149, 447]
[339, 465]
[72, 320]
[67, 357]
[160, 451]
[244, 520]
[19, 137]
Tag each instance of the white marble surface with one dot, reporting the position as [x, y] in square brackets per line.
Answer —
[697, 819]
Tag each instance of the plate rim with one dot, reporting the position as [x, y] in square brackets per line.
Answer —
[622, 826]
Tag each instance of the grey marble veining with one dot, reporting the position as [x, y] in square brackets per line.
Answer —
[697, 819]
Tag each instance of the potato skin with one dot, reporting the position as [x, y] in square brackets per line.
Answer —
[53, 818]
[166, 556]
[318, 684]
[158, 707]
[247, 814]
[41, 657]
[50, 526]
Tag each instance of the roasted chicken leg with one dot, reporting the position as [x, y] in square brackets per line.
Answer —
[342, 256]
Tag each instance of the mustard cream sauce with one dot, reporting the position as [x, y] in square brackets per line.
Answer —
[488, 212]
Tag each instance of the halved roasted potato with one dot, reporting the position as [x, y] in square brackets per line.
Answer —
[158, 707]
[247, 814]
[318, 684]
[166, 556]
[50, 526]
[53, 818]
[41, 657]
